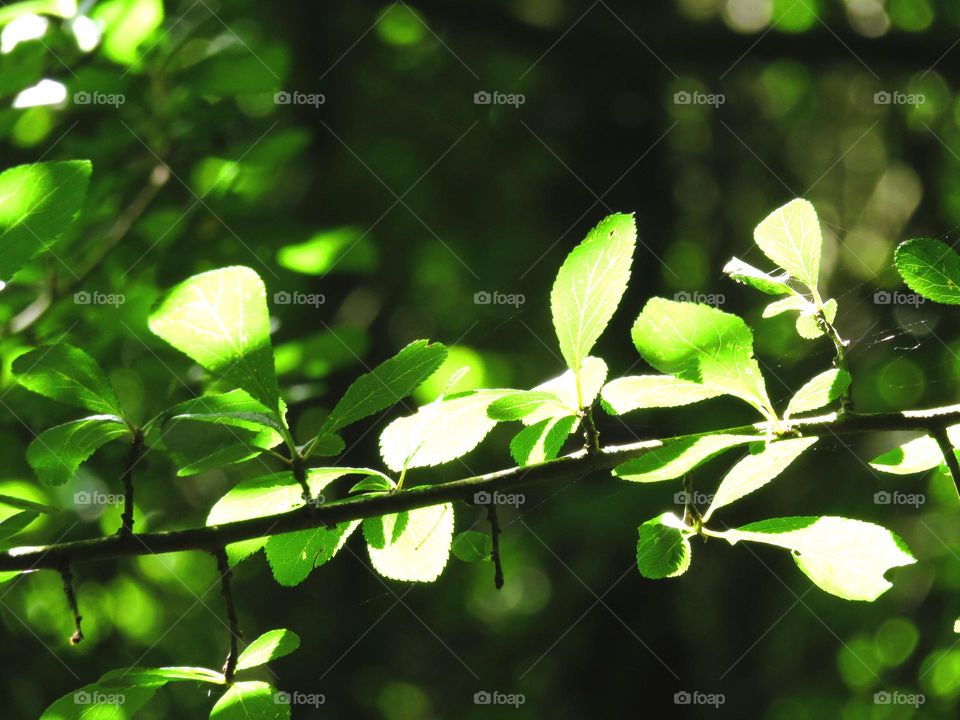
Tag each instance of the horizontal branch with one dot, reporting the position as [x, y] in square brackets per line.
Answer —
[213, 537]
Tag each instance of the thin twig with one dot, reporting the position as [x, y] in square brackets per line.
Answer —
[223, 566]
[133, 457]
[939, 433]
[67, 575]
[495, 538]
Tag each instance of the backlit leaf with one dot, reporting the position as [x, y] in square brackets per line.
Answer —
[663, 550]
[676, 457]
[931, 268]
[652, 391]
[791, 237]
[818, 392]
[411, 546]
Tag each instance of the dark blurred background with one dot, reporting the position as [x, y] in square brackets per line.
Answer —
[379, 178]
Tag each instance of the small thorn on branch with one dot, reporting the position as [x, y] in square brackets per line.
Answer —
[223, 566]
[495, 538]
[67, 575]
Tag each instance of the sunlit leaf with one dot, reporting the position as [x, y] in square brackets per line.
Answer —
[55, 454]
[652, 391]
[251, 701]
[916, 456]
[790, 236]
[38, 203]
[67, 374]
[590, 284]
[676, 457]
[847, 558]
[219, 319]
[542, 440]
[793, 302]
[930, 267]
[293, 556]
[267, 648]
[663, 550]
[764, 282]
[593, 373]
[818, 392]
[411, 546]
[808, 326]
[127, 26]
[519, 404]
[15, 524]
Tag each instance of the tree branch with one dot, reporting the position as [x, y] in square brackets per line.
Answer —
[949, 456]
[580, 463]
[67, 576]
[495, 540]
[136, 452]
[230, 665]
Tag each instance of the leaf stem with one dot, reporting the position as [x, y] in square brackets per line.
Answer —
[939, 433]
[495, 539]
[67, 575]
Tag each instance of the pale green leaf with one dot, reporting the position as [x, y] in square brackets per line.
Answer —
[439, 432]
[636, 392]
[676, 457]
[38, 203]
[590, 284]
[764, 282]
[220, 320]
[916, 456]
[808, 326]
[790, 236]
[593, 373]
[55, 454]
[847, 558]
[411, 546]
[69, 375]
[519, 404]
[387, 384]
[794, 302]
[472, 546]
[267, 648]
[931, 268]
[160, 676]
[663, 549]
[251, 701]
[701, 344]
[754, 471]
[818, 392]
[543, 440]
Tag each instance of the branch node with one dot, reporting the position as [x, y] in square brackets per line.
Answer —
[67, 575]
[223, 566]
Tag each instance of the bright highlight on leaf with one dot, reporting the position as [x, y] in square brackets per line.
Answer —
[818, 392]
[411, 546]
[916, 456]
[764, 282]
[676, 457]
[590, 284]
[790, 236]
[663, 549]
[220, 320]
[930, 267]
[652, 391]
[251, 701]
[267, 648]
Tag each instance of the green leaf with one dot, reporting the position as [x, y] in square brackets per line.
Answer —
[327, 445]
[98, 702]
[160, 676]
[387, 384]
[268, 495]
[790, 236]
[15, 524]
[128, 25]
[439, 432]
[702, 344]
[818, 392]
[55, 454]
[590, 284]
[267, 648]
[808, 327]
[293, 556]
[235, 408]
[37, 204]
[519, 404]
[251, 701]
[637, 392]
[931, 268]
[411, 546]
[543, 440]
[916, 456]
[593, 373]
[375, 483]
[847, 558]
[67, 374]
[23, 504]
[663, 550]
[676, 457]
[219, 319]
[198, 446]
[754, 471]
[472, 546]
[794, 302]
[764, 282]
